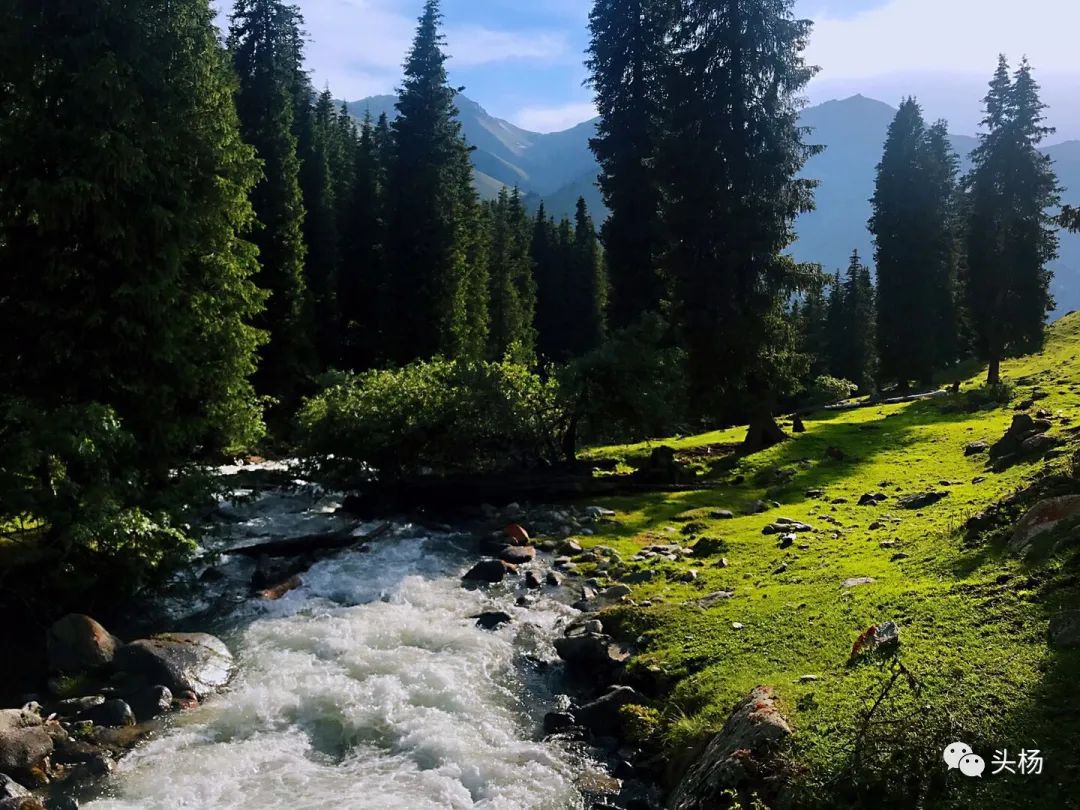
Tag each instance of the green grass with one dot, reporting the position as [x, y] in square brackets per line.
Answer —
[973, 618]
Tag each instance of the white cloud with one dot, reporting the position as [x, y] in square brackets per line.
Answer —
[554, 119]
[470, 46]
[956, 36]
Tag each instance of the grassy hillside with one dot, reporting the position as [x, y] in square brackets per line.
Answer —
[973, 618]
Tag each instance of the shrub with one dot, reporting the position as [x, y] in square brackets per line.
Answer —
[439, 416]
[72, 473]
[828, 390]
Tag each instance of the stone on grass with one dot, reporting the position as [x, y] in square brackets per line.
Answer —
[922, 499]
[855, 582]
[1044, 517]
[602, 716]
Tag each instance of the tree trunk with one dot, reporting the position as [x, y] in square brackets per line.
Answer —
[993, 375]
[763, 433]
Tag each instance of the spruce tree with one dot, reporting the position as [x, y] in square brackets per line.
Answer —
[588, 284]
[263, 39]
[123, 209]
[913, 224]
[513, 289]
[730, 166]
[836, 328]
[430, 203]
[858, 351]
[812, 318]
[323, 196]
[627, 57]
[362, 253]
[550, 286]
[1010, 236]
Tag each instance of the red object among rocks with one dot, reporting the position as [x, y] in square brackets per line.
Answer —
[517, 534]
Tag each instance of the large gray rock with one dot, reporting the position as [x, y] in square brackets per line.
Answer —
[490, 571]
[77, 643]
[602, 716]
[739, 761]
[1065, 630]
[10, 789]
[1045, 516]
[24, 742]
[590, 650]
[182, 662]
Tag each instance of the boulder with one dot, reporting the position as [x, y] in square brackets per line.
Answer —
[533, 581]
[151, 702]
[554, 722]
[616, 592]
[741, 762]
[490, 571]
[1045, 516]
[553, 579]
[855, 582]
[602, 716]
[77, 643]
[10, 789]
[21, 803]
[518, 555]
[196, 662]
[110, 713]
[712, 599]
[722, 514]
[492, 620]
[872, 498]
[1039, 444]
[1065, 630]
[589, 650]
[921, 500]
[976, 448]
[518, 536]
[24, 742]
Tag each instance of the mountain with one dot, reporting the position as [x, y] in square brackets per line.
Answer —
[558, 168]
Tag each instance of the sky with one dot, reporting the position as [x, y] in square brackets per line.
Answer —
[522, 59]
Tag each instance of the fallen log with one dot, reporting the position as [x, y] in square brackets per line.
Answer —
[310, 543]
[277, 591]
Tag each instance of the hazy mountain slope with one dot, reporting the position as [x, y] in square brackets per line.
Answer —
[559, 168]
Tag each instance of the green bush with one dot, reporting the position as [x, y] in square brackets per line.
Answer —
[828, 390]
[439, 416]
[71, 473]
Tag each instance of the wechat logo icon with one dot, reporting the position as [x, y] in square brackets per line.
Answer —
[959, 756]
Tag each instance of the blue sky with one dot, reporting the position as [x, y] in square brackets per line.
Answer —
[522, 59]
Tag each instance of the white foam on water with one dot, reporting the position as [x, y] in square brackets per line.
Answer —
[368, 688]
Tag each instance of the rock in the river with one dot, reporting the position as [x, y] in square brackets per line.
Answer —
[490, 571]
[74, 706]
[739, 762]
[62, 803]
[533, 581]
[114, 712]
[196, 662]
[24, 742]
[517, 534]
[151, 702]
[1045, 516]
[518, 555]
[554, 722]
[492, 620]
[22, 803]
[77, 643]
[1065, 630]
[10, 789]
[590, 650]
[553, 579]
[602, 716]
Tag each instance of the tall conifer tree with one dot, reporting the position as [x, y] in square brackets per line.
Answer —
[513, 288]
[730, 166]
[627, 57]
[589, 283]
[913, 224]
[263, 38]
[1010, 234]
[123, 205]
[431, 206]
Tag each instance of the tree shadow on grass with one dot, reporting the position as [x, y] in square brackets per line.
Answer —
[816, 460]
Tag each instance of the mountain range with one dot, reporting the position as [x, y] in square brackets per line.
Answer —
[558, 168]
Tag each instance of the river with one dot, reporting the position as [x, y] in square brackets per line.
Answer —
[368, 688]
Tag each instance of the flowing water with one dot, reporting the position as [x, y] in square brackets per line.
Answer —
[369, 687]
